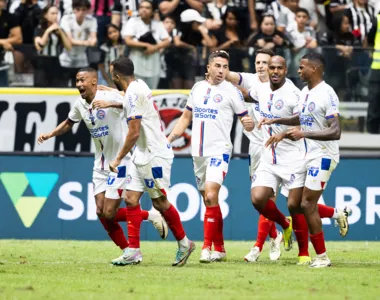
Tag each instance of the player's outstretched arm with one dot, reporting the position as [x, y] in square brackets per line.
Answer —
[275, 139]
[179, 128]
[292, 121]
[331, 134]
[61, 129]
[131, 139]
[106, 104]
[233, 77]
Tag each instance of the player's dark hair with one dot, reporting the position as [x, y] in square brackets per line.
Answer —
[123, 66]
[218, 53]
[77, 4]
[265, 51]
[315, 57]
[302, 10]
[88, 70]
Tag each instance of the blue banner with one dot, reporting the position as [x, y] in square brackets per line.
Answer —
[51, 198]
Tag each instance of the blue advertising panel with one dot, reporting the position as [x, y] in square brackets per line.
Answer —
[48, 197]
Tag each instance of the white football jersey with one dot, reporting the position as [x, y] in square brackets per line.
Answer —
[107, 126]
[213, 108]
[315, 107]
[281, 103]
[252, 83]
[138, 103]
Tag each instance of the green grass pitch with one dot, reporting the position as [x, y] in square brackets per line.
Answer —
[81, 270]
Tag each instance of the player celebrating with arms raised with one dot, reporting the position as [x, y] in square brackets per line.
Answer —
[151, 163]
[108, 129]
[211, 107]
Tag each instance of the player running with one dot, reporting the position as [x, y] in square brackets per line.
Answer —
[151, 163]
[318, 111]
[252, 83]
[211, 107]
[108, 130]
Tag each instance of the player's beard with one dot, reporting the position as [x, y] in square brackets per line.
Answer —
[118, 86]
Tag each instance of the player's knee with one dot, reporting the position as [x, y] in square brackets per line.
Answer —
[109, 214]
[99, 212]
[131, 200]
[257, 200]
[161, 204]
[307, 205]
[294, 208]
[211, 198]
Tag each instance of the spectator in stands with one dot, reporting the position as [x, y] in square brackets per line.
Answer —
[28, 14]
[214, 12]
[311, 7]
[250, 12]
[176, 7]
[112, 49]
[360, 15]
[373, 118]
[334, 8]
[284, 16]
[338, 49]
[230, 38]
[102, 12]
[146, 37]
[81, 29]
[269, 37]
[303, 38]
[193, 35]
[10, 36]
[49, 41]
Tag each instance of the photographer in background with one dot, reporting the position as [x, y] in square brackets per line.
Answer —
[10, 35]
[49, 41]
[146, 37]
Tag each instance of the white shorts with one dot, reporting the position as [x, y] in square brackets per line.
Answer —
[210, 168]
[272, 176]
[111, 183]
[318, 172]
[154, 177]
[254, 157]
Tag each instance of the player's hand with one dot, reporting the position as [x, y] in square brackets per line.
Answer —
[248, 123]
[7, 46]
[100, 104]
[295, 134]
[43, 137]
[275, 139]
[150, 49]
[265, 121]
[114, 164]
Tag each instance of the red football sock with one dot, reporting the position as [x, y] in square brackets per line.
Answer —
[326, 211]
[264, 227]
[210, 226]
[121, 215]
[273, 230]
[301, 232]
[271, 212]
[218, 236]
[134, 223]
[171, 217]
[115, 232]
[318, 241]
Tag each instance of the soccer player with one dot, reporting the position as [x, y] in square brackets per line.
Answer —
[211, 107]
[320, 129]
[107, 129]
[253, 82]
[151, 163]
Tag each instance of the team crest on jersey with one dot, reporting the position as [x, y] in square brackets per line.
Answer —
[311, 106]
[101, 114]
[218, 98]
[279, 104]
[128, 179]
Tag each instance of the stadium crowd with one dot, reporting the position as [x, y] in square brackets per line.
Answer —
[168, 40]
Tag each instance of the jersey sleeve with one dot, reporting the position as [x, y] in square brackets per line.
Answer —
[65, 24]
[331, 105]
[247, 80]
[189, 103]
[134, 105]
[93, 25]
[74, 114]
[238, 104]
[129, 29]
